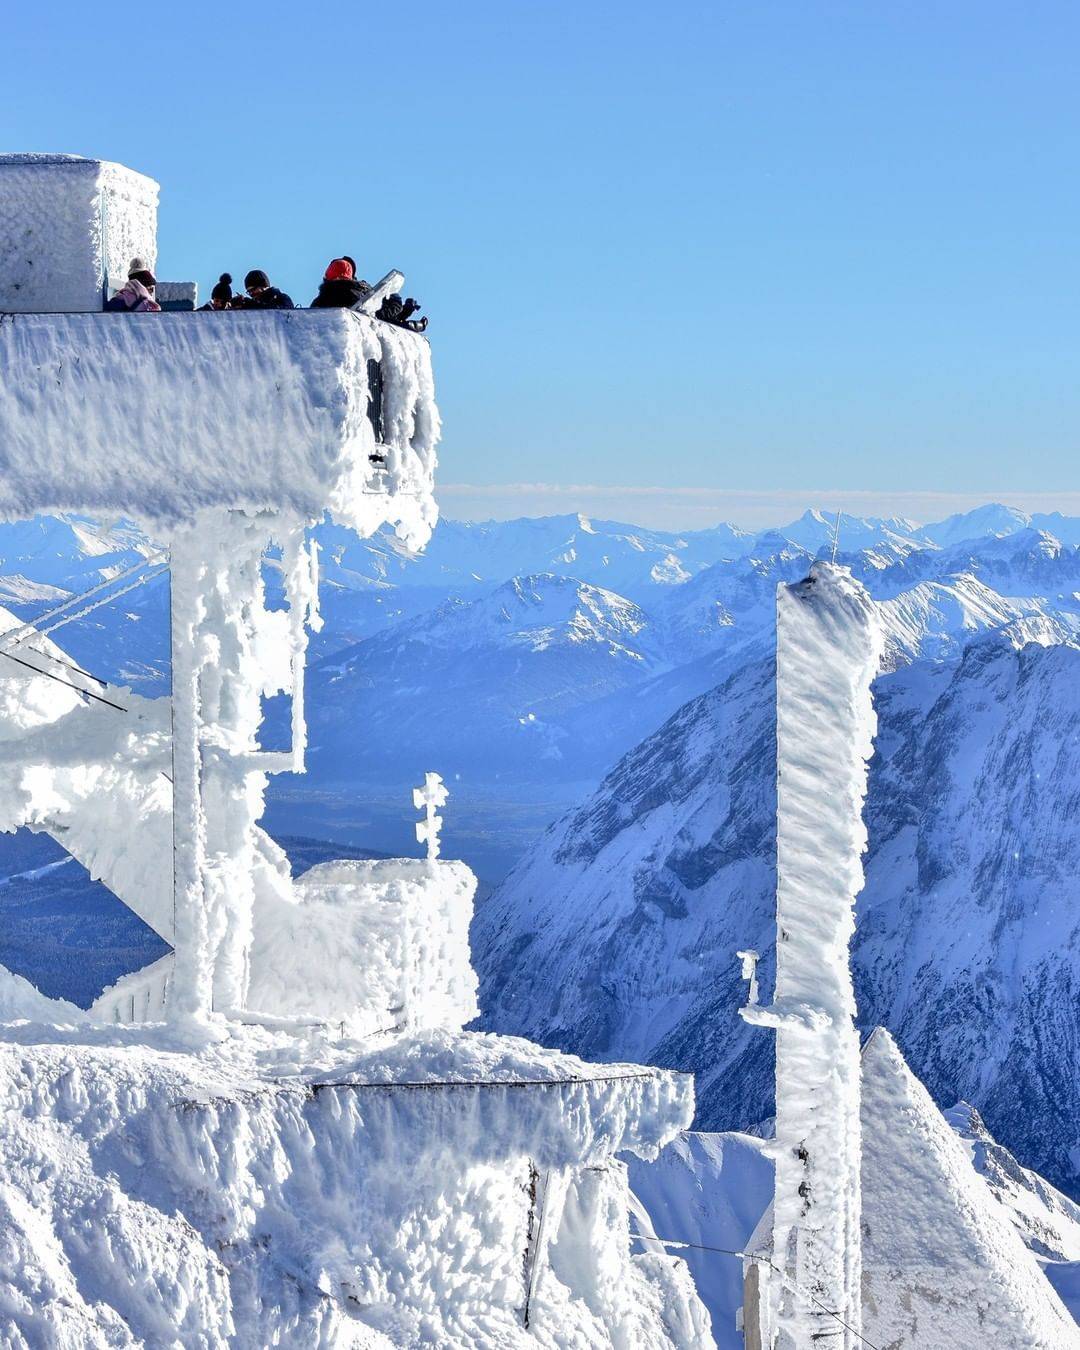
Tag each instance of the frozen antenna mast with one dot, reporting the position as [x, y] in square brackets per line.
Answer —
[827, 653]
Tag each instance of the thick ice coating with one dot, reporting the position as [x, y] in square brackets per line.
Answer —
[241, 1199]
[159, 417]
[828, 644]
[68, 227]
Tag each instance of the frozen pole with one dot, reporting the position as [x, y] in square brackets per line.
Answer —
[828, 646]
[221, 633]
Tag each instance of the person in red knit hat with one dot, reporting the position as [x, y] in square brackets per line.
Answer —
[341, 288]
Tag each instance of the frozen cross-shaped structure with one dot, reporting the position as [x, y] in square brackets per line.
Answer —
[430, 798]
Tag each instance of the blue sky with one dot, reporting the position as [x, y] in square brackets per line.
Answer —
[716, 255]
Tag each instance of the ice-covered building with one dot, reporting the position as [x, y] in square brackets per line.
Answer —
[280, 1133]
[68, 229]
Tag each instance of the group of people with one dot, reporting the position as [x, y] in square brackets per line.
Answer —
[257, 294]
[340, 288]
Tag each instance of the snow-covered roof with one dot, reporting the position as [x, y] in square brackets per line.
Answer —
[159, 417]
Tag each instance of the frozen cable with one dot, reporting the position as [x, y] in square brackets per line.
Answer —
[19, 635]
[492, 1082]
[59, 680]
[70, 665]
[315, 1088]
[749, 1256]
[103, 600]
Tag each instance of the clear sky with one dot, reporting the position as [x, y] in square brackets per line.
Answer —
[725, 252]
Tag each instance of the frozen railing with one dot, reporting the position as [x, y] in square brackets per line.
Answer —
[138, 997]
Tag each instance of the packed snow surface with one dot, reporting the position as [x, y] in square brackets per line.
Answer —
[261, 411]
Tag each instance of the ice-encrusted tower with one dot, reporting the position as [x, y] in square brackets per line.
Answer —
[280, 1133]
[828, 644]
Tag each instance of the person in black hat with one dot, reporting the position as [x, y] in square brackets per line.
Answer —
[221, 297]
[261, 295]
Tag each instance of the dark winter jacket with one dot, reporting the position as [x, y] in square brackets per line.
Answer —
[341, 293]
[271, 298]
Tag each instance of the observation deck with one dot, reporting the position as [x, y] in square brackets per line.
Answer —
[160, 417]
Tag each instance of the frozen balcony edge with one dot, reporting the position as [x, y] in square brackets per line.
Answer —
[162, 417]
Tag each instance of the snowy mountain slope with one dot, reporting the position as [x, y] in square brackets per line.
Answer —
[815, 530]
[617, 934]
[942, 1263]
[1028, 562]
[969, 938]
[466, 555]
[1048, 1221]
[68, 553]
[49, 559]
[478, 685]
[992, 520]
[710, 1190]
[995, 521]
[936, 618]
[690, 637]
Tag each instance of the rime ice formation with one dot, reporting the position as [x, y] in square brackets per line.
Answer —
[284, 1191]
[67, 227]
[942, 1264]
[279, 418]
[828, 647]
[279, 1133]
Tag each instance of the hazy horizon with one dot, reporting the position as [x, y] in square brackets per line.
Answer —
[694, 508]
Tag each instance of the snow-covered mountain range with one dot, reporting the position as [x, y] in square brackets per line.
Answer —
[617, 934]
[542, 655]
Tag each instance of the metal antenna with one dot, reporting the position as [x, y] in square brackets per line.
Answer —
[836, 535]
